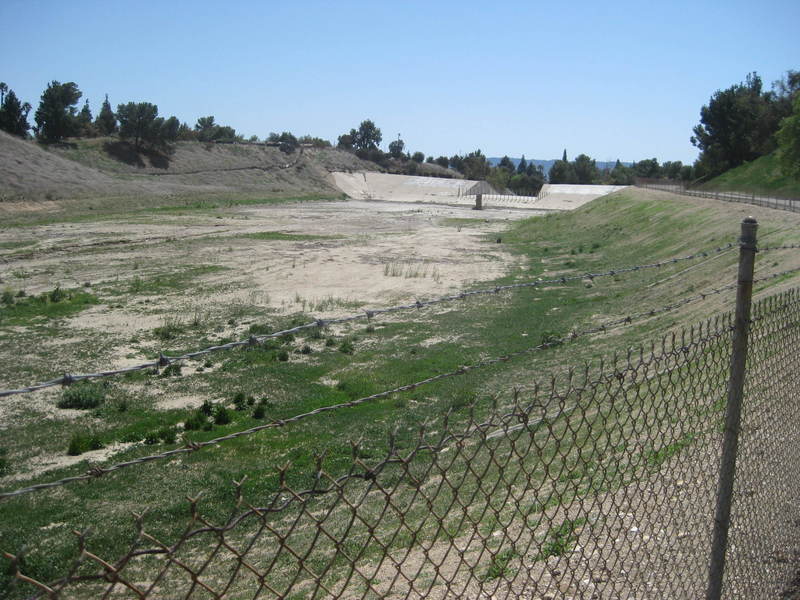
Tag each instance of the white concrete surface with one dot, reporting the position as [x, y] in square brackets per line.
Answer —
[436, 190]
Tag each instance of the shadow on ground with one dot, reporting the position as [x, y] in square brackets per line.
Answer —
[127, 153]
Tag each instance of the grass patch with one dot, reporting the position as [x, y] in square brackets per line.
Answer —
[560, 540]
[174, 280]
[83, 395]
[83, 442]
[499, 565]
[761, 176]
[55, 304]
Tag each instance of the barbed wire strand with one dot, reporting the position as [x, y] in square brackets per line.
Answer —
[164, 361]
[193, 446]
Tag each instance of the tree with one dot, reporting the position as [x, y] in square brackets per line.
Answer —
[418, 157]
[647, 168]
[345, 141]
[13, 114]
[442, 161]
[522, 166]
[507, 164]
[789, 141]
[562, 171]
[140, 122]
[621, 175]
[396, 148]
[671, 169]
[475, 166]
[106, 121]
[186, 133]
[84, 122]
[739, 123]
[287, 143]
[367, 137]
[205, 128]
[3, 90]
[457, 163]
[137, 121]
[169, 130]
[585, 169]
[564, 157]
[55, 117]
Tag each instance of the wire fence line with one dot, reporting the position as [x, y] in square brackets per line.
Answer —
[682, 187]
[98, 471]
[164, 360]
[597, 485]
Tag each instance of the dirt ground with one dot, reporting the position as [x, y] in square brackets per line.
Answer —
[339, 250]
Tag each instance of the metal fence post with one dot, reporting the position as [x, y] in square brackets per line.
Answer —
[747, 254]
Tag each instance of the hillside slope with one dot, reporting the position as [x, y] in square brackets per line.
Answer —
[106, 168]
[761, 176]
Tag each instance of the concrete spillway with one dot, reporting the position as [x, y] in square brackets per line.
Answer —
[435, 190]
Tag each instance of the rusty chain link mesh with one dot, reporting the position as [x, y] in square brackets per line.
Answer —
[764, 540]
[599, 484]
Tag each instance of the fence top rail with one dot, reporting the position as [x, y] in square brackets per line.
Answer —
[164, 360]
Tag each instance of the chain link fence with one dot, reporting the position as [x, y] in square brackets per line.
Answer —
[599, 483]
[682, 187]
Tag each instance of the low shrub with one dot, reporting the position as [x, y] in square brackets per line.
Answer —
[83, 395]
[81, 442]
[222, 416]
[167, 435]
[195, 421]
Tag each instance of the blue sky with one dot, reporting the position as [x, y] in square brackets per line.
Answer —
[613, 80]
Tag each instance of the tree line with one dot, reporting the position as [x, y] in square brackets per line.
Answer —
[738, 125]
[743, 122]
[58, 118]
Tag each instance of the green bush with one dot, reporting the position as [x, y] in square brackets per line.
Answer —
[57, 295]
[167, 435]
[239, 401]
[347, 347]
[81, 442]
[83, 395]
[259, 412]
[222, 416]
[283, 356]
[195, 421]
[3, 462]
[306, 349]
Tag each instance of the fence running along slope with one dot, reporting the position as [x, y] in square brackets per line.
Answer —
[601, 484]
[681, 187]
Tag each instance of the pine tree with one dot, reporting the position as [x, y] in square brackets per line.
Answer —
[55, 117]
[13, 114]
[106, 121]
[522, 167]
[84, 121]
[564, 158]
